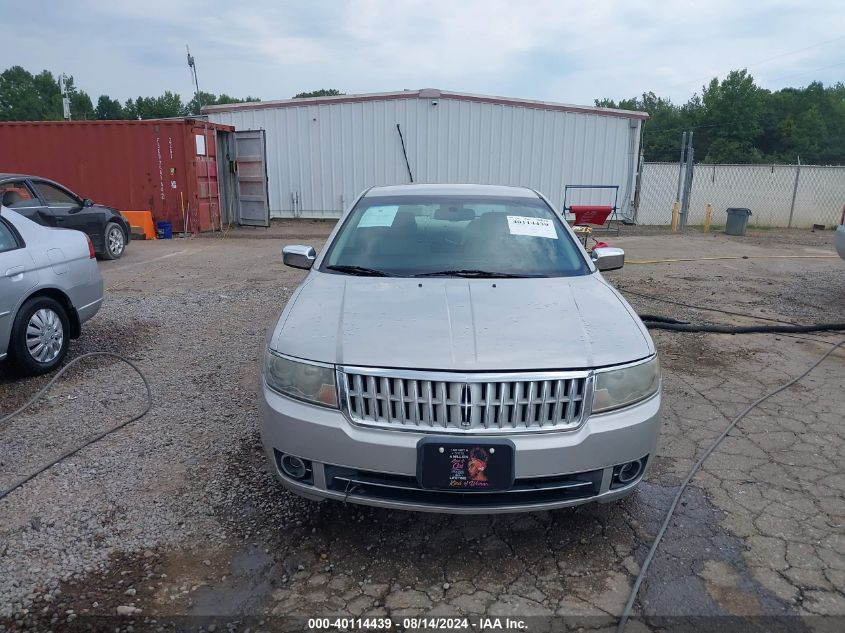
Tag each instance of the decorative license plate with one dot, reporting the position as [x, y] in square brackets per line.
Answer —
[460, 466]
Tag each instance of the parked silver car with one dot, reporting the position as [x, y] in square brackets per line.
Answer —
[454, 349]
[49, 286]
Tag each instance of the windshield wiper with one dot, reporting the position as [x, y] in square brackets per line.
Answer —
[464, 272]
[360, 270]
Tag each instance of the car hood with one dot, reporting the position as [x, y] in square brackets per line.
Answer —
[461, 324]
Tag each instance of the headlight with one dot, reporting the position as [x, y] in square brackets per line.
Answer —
[303, 381]
[618, 388]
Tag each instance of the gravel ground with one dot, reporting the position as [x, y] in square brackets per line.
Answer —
[176, 515]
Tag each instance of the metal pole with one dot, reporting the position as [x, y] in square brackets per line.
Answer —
[65, 99]
[687, 182]
[405, 153]
[638, 187]
[192, 66]
[794, 192]
[681, 167]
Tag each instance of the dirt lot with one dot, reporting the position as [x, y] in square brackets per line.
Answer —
[176, 515]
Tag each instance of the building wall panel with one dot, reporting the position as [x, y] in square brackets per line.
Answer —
[320, 156]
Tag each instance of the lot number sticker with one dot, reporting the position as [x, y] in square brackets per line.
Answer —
[536, 227]
[378, 216]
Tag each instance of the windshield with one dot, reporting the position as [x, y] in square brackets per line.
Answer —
[471, 236]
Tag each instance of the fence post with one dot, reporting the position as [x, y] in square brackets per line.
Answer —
[681, 166]
[794, 192]
[708, 214]
[638, 186]
[676, 212]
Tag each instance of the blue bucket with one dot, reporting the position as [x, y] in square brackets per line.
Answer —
[164, 230]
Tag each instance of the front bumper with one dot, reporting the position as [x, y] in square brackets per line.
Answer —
[378, 467]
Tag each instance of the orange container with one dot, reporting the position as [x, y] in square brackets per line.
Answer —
[142, 220]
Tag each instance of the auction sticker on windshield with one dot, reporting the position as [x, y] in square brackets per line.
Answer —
[378, 216]
[535, 227]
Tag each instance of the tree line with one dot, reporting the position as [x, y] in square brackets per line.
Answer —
[733, 119]
[736, 121]
[28, 97]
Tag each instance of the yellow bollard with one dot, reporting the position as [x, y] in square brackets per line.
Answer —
[708, 214]
[676, 216]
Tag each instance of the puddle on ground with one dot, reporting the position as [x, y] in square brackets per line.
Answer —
[252, 575]
[699, 568]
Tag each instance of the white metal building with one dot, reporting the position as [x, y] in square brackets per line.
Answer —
[322, 152]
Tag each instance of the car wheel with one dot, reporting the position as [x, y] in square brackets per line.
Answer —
[115, 241]
[40, 336]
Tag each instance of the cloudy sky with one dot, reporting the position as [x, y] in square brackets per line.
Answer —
[564, 51]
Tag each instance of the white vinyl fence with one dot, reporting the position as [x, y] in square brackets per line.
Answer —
[778, 195]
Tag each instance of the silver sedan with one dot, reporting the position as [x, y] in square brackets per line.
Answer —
[49, 286]
[455, 349]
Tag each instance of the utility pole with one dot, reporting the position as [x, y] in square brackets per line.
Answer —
[681, 167]
[794, 192]
[65, 99]
[687, 182]
[192, 67]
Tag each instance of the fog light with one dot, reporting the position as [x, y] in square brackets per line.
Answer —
[629, 472]
[294, 467]
[625, 474]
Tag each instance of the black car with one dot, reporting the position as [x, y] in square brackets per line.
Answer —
[49, 203]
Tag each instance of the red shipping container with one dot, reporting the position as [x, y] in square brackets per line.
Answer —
[167, 166]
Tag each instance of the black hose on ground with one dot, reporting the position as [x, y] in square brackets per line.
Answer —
[644, 295]
[665, 323]
[73, 451]
[659, 322]
[657, 318]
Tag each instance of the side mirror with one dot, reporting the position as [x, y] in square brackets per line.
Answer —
[87, 202]
[299, 256]
[608, 258]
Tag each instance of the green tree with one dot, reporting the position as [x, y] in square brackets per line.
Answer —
[323, 92]
[81, 108]
[28, 97]
[166, 106]
[662, 130]
[49, 95]
[169, 105]
[108, 109]
[735, 121]
[194, 106]
[200, 99]
[129, 109]
[731, 119]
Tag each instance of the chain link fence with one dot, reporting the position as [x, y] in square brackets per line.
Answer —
[778, 195]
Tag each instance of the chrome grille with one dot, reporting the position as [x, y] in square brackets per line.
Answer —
[455, 403]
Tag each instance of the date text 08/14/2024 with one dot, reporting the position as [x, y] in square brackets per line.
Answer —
[416, 624]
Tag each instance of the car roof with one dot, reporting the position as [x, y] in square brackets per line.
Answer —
[9, 176]
[428, 189]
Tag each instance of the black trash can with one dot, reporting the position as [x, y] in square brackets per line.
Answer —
[737, 221]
